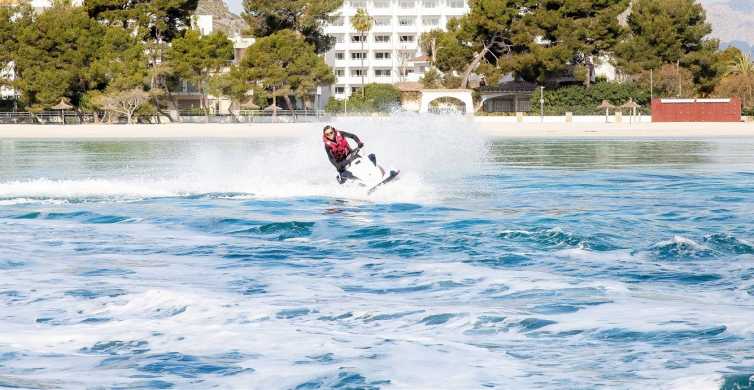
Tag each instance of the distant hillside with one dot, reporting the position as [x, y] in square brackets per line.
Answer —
[223, 20]
[732, 21]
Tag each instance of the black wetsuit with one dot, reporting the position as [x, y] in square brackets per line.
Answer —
[339, 164]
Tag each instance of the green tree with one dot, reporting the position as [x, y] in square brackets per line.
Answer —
[491, 32]
[362, 23]
[55, 50]
[283, 65]
[671, 32]
[8, 42]
[564, 33]
[119, 63]
[432, 79]
[155, 22]
[449, 54]
[152, 20]
[308, 17]
[227, 84]
[196, 58]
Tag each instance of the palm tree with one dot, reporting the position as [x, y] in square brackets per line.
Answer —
[362, 23]
[743, 67]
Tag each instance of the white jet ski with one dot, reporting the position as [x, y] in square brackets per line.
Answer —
[366, 172]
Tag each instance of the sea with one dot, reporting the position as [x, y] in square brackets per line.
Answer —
[492, 263]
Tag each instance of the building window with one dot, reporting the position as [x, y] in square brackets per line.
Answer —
[358, 55]
[382, 55]
[407, 71]
[431, 20]
[340, 72]
[358, 72]
[406, 21]
[358, 3]
[430, 3]
[407, 4]
[382, 38]
[406, 55]
[339, 38]
[456, 3]
[340, 90]
[382, 72]
[355, 89]
[406, 38]
[339, 55]
[356, 38]
[382, 21]
[381, 4]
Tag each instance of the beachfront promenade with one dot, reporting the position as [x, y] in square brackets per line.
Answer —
[532, 127]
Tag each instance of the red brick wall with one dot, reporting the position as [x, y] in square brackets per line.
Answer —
[696, 110]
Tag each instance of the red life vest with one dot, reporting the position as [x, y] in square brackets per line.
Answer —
[339, 148]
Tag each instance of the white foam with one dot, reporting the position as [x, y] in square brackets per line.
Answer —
[703, 382]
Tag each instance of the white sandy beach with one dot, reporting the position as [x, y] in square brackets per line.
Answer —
[488, 126]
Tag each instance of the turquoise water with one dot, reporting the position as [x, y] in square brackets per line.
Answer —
[509, 264]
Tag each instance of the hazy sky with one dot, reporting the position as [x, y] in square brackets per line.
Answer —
[235, 6]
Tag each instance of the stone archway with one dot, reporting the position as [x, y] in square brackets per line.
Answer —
[463, 95]
[447, 105]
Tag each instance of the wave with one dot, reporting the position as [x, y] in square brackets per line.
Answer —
[679, 248]
[555, 238]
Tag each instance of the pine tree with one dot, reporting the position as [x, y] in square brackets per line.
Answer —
[308, 17]
[283, 65]
[198, 58]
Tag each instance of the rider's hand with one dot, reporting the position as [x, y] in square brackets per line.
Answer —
[361, 144]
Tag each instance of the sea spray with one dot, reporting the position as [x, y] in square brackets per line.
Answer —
[430, 150]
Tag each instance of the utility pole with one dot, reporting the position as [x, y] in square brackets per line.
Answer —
[651, 84]
[542, 104]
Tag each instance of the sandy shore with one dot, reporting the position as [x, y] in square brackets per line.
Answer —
[491, 128]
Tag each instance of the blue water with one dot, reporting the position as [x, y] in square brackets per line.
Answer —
[539, 264]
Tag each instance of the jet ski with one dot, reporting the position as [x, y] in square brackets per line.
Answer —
[366, 172]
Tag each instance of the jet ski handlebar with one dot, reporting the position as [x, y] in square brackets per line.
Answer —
[352, 156]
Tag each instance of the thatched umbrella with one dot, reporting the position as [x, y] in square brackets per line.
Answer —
[62, 106]
[249, 105]
[631, 105]
[606, 106]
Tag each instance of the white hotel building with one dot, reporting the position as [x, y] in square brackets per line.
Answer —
[391, 51]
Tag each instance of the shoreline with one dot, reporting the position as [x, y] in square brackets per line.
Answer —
[491, 128]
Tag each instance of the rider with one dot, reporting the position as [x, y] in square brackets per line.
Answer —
[338, 149]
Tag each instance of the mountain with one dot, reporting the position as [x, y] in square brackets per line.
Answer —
[223, 20]
[732, 22]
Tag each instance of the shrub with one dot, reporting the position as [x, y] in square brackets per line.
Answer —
[581, 100]
[375, 98]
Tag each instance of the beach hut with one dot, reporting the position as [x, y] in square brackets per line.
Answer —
[62, 106]
[606, 105]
